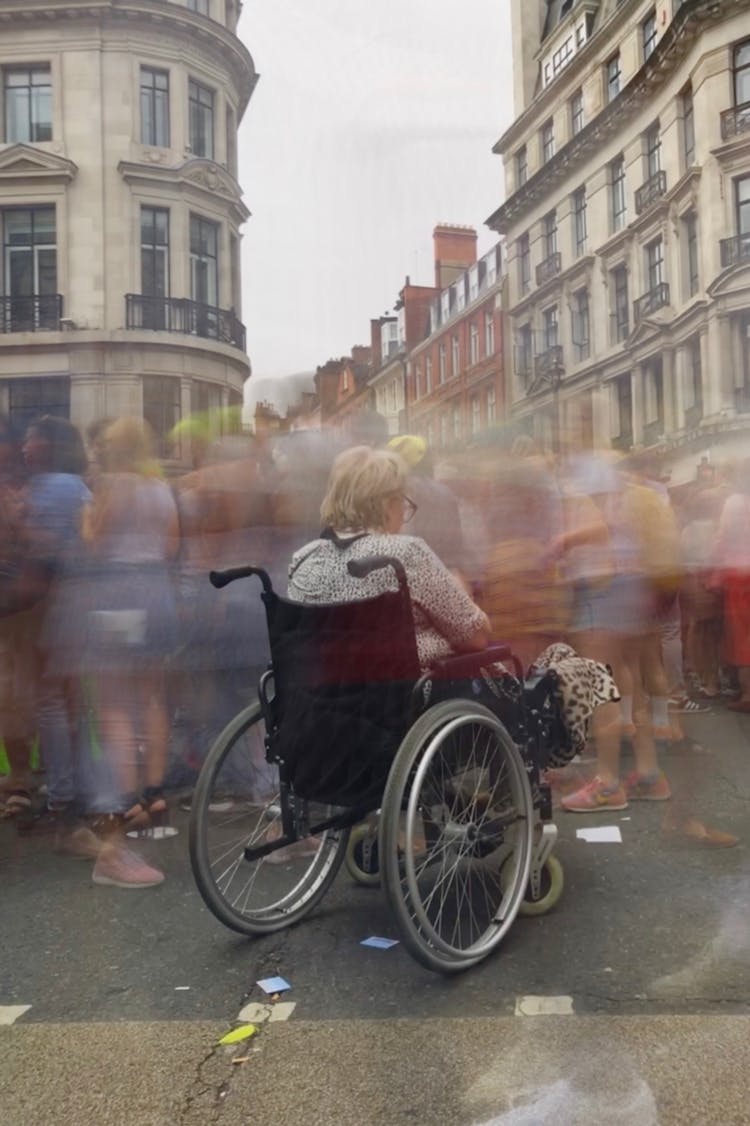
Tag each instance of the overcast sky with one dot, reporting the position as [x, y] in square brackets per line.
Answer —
[373, 120]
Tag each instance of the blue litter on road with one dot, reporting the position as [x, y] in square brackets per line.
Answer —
[379, 943]
[273, 985]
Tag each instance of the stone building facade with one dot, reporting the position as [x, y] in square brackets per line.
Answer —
[120, 210]
[627, 220]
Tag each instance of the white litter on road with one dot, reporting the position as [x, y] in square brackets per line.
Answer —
[600, 834]
[535, 1006]
[9, 1014]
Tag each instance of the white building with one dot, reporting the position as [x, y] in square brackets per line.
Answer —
[120, 211]
[627, 222]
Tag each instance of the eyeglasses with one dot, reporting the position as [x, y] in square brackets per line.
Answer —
[410, 509]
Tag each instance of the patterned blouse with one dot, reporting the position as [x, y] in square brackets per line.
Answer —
[445, 618]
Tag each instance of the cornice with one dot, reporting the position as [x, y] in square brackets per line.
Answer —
[686, 26]
[201, 175]
[170, 18]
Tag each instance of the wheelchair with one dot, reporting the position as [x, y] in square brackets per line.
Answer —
[438, 773]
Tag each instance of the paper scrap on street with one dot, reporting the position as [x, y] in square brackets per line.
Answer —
[600, 834]
[273, 985]
[244, 1032]
[181, 988]
[379, 943]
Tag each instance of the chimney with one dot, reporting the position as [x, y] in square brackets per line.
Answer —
[455, 250]
[361, 354]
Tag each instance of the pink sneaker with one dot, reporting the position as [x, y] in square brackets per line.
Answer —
[648, 787]
[594, 796]
[121, 868]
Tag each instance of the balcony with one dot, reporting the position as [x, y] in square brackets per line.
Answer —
[178, 314]
[40, 313]
[735, 122]
[656, 298]
[549, 268]
[548, 367]
[651, 192]
[734, 250]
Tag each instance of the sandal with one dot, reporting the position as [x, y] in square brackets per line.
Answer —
[17, 802]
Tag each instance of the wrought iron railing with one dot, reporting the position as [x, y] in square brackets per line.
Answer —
[650, 192]
[178, 314]
[549, 268]
[656, 298]
[734, 250]
[735, 121]
[40, 313]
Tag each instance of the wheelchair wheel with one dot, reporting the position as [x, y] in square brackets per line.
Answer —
[457, 812]
[362, 859]
[236, 804]
[552, 882]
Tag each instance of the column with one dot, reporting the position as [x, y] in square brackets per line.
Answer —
[718, 378]
[636, 393]
[681, 362]
[672, 421]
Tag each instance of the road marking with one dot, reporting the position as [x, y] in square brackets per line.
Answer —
[534, 1006]
[9, 1014]
[256, 1013]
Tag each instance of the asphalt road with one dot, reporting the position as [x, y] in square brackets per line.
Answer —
[648, 953]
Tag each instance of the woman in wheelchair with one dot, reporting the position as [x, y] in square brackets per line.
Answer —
[364, 511]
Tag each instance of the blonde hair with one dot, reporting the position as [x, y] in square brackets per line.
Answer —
[128, 448]
[359, 486]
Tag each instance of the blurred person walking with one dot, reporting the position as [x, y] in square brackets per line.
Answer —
[731, 575]
[132, 533]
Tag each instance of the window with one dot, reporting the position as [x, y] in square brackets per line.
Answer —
[576, 113]
[522, 167]
[474, 282]
[617, 193]
[562, 56]
[204, 264]
[456, 424]
[688, 128]
[693, 388]
[200, 6]
[444, 420]
[154, 251]
[455, 355]
[622, 410]
[492, 261]
[613, 77]
[29, 269]
[549, 329]
[460, 288]
[201, 120]
[491, 405]
[742, 205]
[428, 375]
[580, 325]
[31, 398]
[445, 305]
[206, 398]
[655, 264]
[443, 362]
[27, 96]
[652, 146]
[549, 233]
[524, 263]
[474, 343]
[579, 221]
[653, 396]
[476, 414]
[489, 334]
[154, 107]
[690, 228]
[620, 307]
[741, 71]
[523, 351]
[161, 408]
[648, 34]
[548, 141]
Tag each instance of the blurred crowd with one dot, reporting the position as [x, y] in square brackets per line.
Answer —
[119, 663]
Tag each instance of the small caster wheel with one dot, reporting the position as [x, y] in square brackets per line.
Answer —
[551, 883]
[362, 856]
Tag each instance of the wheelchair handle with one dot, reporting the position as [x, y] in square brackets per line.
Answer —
[361, 568]
[220, 579]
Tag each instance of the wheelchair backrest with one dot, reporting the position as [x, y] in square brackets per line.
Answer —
[343, 675]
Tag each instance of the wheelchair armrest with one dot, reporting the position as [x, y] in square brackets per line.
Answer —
[467, 664]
